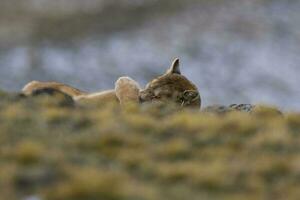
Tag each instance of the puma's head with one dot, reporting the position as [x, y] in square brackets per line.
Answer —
[172, 87]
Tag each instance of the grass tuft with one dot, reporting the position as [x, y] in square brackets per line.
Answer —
[55, 151]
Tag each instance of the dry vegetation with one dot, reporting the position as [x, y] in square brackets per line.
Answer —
[53, 150]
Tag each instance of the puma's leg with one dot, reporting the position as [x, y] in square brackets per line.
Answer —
[127, 90]
[100, 97]
[35, 86]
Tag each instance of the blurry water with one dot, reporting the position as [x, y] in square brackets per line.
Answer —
[244, 51]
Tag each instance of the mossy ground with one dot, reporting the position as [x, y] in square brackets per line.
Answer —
[56, 151]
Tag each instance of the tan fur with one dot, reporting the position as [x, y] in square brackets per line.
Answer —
[37, 85]
[127, 90]
[170, 87]
[104, 96]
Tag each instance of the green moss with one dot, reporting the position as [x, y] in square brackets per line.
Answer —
[175, 149]
[90, 183]
[293, 122]
[267, 111]
[28, 153]
[93, 151]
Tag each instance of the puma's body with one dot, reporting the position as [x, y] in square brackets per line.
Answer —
[170, 87]
[126, 90]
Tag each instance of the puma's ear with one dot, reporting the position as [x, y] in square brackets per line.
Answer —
[174, 69]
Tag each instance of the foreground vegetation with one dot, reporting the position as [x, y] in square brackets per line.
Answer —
[53, 150]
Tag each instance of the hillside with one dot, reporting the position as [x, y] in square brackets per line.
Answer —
[51, 149]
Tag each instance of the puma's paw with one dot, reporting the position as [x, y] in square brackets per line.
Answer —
[127, 90]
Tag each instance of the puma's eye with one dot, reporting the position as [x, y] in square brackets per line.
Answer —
[190, 94]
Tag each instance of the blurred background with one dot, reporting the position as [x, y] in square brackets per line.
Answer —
[236, 51]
